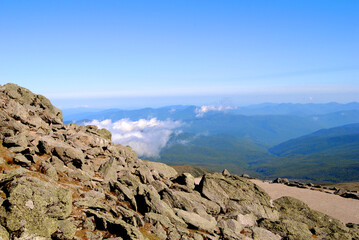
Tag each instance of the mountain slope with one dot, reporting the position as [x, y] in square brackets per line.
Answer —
[62, 181]
[338, 140]
[268, 130]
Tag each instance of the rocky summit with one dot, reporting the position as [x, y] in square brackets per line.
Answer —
[62, 181]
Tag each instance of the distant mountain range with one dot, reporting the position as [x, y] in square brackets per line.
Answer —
[184, 112]
[313, 142]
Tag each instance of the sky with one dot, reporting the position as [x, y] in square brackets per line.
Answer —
[131, 54]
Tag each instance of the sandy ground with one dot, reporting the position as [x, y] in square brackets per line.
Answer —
[344, 209]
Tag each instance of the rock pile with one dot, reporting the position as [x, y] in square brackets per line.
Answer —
[71, 182]
[316, 187]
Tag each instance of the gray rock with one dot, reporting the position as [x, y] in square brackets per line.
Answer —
[4, 235]
[285, 180]
[92, 200]
[66, 229]
[145, 174]
[94, 236]
[230, 227]
[159, 231]
[261, 233]
[340, 191]
[185, 179]
[163, 169]
[49, 170]
[235, 193]
[196, 221]
[70, 154]
[105, 221]
[24, 97]
[277, 180]
[108, 170]
[297, 220]
[225, 173]
[247, 220]
[192, 202]
[18, 140]
[22, 160]
[130, 216]
[89, 223]
[9, 175]
[350, 195]
[36, 205]
[125, 194]
[104, 133]
[148, 200]
[153, 218]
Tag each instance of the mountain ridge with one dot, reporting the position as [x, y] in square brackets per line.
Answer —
[61, 181]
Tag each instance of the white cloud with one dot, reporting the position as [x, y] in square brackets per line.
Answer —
[204, 109]
[146, 137]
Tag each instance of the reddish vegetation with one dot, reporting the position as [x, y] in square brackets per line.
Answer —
[6, 154]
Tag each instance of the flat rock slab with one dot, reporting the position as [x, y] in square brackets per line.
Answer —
[343, 209]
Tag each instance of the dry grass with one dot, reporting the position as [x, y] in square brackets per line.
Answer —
[6, 154]
[145, 232]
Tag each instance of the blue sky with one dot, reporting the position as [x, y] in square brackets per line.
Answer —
[153, 53]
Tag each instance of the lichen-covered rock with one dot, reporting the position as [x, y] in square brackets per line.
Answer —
[298, 221]
[104, 133]
[36, 206]
[4, 235]
[235, 193]
[66, 229]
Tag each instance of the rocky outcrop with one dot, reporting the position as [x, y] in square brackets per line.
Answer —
[71, 182]
[316, 187]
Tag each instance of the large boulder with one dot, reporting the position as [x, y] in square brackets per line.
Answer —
[105, 221]
[104, 133]
[163, 169]
[236, 193]
[185, 179]
[192, 202]
[196, 221]
[26, 98]
[62, 150]
[298, 221]
[148, 200]
[36, 206]
[108, 170]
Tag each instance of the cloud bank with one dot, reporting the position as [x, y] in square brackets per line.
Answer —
[204, 109]
[146, 137]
